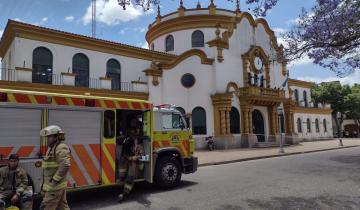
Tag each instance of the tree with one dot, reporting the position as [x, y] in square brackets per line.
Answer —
[344, 99]
[329, 34]
[353, 102]
[332, 93]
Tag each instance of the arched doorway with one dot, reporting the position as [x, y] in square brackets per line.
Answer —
[258, 125]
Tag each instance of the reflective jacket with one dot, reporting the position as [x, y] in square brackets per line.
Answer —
[56, 165]
[18, 183]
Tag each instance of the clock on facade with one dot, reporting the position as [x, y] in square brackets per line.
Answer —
[258, 63]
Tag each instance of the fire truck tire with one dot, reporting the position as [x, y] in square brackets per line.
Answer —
[167, 172]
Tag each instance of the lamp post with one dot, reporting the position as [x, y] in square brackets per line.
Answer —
[280, 112]
[338, 118]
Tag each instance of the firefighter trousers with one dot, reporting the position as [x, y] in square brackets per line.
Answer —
[55, 201]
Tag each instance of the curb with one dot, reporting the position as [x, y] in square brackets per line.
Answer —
[272, 156]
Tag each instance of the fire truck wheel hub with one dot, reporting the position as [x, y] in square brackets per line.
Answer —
[169, 172]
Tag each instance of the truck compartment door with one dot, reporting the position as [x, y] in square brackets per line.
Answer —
[83, 134]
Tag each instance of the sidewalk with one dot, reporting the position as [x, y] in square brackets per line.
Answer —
[243, 154]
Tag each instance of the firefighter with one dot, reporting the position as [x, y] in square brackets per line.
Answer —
[56, 165]
[14, 189]
[131, 162]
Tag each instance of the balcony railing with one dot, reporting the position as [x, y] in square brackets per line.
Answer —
[312, 104]
[259, 91]
[25, 75]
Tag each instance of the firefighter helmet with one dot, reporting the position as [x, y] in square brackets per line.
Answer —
[51, 130]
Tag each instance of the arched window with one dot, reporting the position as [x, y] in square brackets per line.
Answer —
[296, 94]
[308, 125]
[182, 110]
[325, 126]
[317, 127]
[197, 39]
[152, 46]
[169, 43]
[80, 67]
[234, 121]
[183, 113]
[305, 98]
[113, 71]
[42, 65]
[198, 121]
[299, 125]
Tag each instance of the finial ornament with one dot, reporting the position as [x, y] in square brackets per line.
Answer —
[158, 10]
[198, 6]
[237, 5]
[181, 3]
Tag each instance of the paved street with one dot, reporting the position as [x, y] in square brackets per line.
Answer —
[323, 180]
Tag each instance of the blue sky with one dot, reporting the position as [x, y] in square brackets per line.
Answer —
[129, 26]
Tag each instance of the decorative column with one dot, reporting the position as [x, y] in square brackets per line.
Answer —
[289, 114]
[272, 117]
[228, 109]
[222, 105]
[245, 111]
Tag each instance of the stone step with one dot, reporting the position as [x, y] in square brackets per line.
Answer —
[268, 144]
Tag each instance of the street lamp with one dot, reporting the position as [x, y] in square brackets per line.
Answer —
[338, 118]
[280, 112]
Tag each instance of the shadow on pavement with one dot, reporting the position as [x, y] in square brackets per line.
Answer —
[107, 196]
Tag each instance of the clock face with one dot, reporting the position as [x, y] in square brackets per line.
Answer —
[258, 63]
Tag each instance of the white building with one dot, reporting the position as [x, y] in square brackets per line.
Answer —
[218, 66]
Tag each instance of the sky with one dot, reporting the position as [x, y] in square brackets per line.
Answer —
[129, 26]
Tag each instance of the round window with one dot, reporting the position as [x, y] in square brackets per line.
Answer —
[188, 80]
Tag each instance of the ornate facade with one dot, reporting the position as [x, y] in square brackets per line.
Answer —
[220, 68]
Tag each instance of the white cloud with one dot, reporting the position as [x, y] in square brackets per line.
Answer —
[143, 45]
[18, 19]
[1, 32]
[349, 80]
[110, 13]
[301, 61]
[44, 19]
[293, 21]
[279, 30]
[135, 29]
[69, 18]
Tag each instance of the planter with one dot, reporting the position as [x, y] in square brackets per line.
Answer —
[105, 83]
[68, 79]
[139, 86]
[23, 74]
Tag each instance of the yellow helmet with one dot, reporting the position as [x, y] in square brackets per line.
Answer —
[51, 130]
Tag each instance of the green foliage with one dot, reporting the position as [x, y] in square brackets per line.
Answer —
[332, 93]
[352, 101]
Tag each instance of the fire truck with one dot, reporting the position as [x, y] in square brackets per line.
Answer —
[94, 127]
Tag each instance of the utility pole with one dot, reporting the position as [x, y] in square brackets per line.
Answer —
[93, 18]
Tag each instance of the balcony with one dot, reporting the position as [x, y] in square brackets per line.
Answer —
[68, 79]
[262, 92]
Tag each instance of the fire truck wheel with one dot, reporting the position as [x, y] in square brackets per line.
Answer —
[167, 172]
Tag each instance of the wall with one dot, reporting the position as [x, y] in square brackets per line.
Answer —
[131, 68]
[301, 91]
[171, 91]
[313, 133]
[182, 41]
